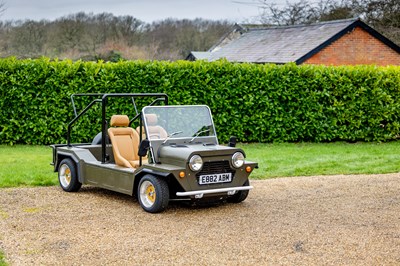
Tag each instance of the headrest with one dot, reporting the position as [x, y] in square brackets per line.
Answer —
[119, 121]
[151, 119]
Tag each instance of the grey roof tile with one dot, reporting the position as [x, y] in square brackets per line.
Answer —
[201, 55]
[278, 44]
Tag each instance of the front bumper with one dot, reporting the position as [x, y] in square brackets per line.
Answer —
[198, 194]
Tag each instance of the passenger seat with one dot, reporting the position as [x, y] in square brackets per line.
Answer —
[125, 142]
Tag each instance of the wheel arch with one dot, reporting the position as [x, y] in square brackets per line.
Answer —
[61, 156]
[69, 181]
[141, 173]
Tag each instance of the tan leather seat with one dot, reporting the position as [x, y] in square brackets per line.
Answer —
[125, 142]
[143, 132]
[155, 131]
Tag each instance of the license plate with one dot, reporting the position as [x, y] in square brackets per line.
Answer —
[215, 178]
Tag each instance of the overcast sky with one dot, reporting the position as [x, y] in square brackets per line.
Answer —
[145, 10]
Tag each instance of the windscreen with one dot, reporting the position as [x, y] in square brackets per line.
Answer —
[177, 122]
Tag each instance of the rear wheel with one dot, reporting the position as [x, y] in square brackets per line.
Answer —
[240, 195]
[153, 193]
[67, 176]
[97, 139]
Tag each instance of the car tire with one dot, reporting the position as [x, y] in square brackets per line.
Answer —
[153, 193]
[68, 177]
[240, 195]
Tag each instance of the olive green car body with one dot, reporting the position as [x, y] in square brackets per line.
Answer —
[173, 161]
[168, 160]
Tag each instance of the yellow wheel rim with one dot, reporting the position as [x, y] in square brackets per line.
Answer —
[147, 194]
[151, 193]
[65, 175]
[68, 175]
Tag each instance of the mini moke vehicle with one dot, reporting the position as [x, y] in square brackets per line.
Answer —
[163, 153]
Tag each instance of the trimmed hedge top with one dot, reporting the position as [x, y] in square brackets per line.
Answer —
[257, 103]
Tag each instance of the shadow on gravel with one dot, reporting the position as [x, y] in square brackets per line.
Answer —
[173, 204]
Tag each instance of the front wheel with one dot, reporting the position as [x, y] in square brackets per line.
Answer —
[153, 193]
[67, 176]
[240, 195]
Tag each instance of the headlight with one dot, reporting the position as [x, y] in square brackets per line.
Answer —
[195, 163]
[238, 159]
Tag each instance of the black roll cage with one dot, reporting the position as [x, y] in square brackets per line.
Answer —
[102, 98]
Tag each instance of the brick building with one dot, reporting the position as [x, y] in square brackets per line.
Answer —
[340, 42]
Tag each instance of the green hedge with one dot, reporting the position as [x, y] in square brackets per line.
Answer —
[257, 103]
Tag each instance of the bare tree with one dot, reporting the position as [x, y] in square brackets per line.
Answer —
[305, 12]
[176, 38]
[103, 36]
[383, 15]
[28, 39]
[301, 12]
[67, 33]
[334, 10]
[2, 7]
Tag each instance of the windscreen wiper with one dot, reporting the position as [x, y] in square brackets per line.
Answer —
[198, 133]
[171, 135]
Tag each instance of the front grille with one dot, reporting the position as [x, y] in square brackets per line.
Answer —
[218, 167]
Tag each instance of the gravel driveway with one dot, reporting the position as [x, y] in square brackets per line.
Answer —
[324, 220]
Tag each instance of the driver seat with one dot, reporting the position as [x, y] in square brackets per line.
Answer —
[125, 142]
[155, 131]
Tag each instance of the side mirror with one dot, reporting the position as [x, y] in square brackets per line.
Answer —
[143, 147]
[232, 141]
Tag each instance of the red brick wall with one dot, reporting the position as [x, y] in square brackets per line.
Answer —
[357, 47]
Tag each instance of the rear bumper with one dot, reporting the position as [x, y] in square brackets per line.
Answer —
[198, 194]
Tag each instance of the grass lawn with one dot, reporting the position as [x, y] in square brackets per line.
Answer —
[24, 165]
[305, 159]
[2, 259]
[30, 165]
